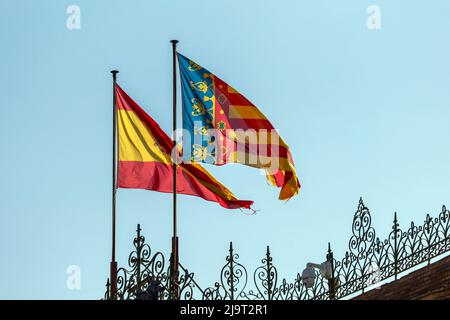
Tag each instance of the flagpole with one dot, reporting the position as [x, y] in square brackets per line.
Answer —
[113, 265]
[174, 273]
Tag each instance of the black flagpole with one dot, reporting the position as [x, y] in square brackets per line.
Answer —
[113, 265]
[174, 260]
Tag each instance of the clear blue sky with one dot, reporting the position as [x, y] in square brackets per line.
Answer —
[365, 112]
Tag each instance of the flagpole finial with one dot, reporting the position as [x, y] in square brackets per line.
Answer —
[114, 73]
[174, 42]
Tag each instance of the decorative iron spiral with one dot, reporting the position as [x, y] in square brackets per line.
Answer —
[233, 276]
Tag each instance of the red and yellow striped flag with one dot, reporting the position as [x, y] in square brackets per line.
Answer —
[144, 159]
[225, 127]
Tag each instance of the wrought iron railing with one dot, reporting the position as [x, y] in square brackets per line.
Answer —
[369, 260]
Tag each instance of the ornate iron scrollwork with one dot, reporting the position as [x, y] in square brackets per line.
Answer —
[368, 260]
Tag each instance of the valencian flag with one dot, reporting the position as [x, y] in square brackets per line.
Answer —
[145, 162]
[225, 127]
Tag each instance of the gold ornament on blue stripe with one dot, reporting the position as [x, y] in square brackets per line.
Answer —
[199, 109]
[201, 86]
[193, 66]
[202, 130]
[203, 153]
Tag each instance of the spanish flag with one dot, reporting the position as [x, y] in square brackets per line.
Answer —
[225, 127]
[144, 159]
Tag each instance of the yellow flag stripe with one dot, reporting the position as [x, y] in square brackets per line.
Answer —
[245, 112]
[135, 140]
